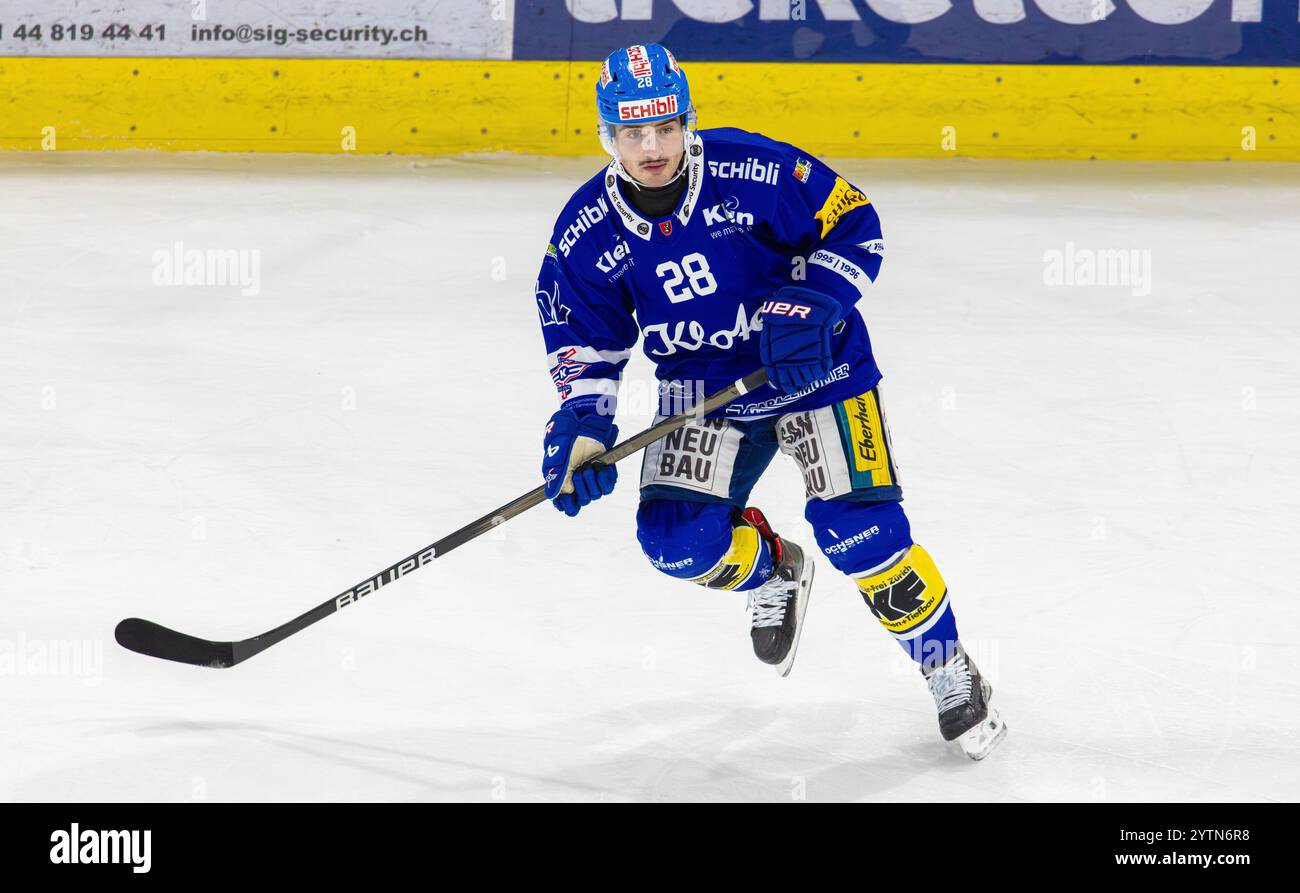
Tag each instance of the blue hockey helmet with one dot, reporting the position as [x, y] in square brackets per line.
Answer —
[640, 85]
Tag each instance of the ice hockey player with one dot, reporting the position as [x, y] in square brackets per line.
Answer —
[725, 251]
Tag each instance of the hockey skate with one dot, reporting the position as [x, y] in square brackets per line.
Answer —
[778, 606]
[961, 695]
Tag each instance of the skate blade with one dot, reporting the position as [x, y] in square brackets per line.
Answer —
[805, 592]
[977, 743]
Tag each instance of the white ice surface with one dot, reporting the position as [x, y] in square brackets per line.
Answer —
[1108, 482]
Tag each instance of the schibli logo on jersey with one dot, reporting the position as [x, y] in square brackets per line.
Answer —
[749, 169]
[383, 578]
[785, 308]
[612, 257]
[588, 216]
[639, 110]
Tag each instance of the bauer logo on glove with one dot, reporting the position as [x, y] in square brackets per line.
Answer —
[795, 344]
[784, 308]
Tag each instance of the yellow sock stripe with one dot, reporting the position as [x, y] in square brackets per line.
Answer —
[905, 594]
[737, 564]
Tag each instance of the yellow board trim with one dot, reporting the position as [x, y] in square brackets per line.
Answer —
[453, 106]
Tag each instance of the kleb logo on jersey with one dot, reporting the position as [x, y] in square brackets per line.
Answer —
[689, 335]
[613, 257]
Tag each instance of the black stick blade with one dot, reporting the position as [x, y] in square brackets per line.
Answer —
[148, 638]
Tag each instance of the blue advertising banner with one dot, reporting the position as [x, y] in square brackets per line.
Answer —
[1142, 32]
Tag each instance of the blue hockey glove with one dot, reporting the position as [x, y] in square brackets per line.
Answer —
[571, 441]
[795, 344]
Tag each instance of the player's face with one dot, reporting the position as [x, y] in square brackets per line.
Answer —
[651, 152]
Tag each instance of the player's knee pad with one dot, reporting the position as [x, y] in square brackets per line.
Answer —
[857, 536]
[872, 543]
[705, 543]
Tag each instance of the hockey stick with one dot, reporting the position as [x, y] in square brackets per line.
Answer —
[151, 639]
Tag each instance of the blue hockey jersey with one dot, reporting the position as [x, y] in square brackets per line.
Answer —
[756, 214]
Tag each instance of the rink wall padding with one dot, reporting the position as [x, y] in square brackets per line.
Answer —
[437, 107]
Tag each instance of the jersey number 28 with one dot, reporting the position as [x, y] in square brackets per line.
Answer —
[694, 271]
